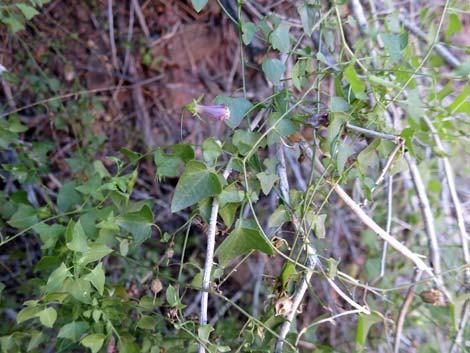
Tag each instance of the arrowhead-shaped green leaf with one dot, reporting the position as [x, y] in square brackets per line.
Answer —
[73, 331]
[196, 183]
[241, 241]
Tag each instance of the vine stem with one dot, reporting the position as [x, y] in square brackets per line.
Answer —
[369, 222]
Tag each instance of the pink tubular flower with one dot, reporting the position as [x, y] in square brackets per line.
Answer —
[219, 112]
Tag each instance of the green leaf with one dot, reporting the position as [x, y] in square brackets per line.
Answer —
[27, 314]
[204, 332]
[339, 104]
[97, 278]
[13, 24]
[461, 102]
[273, 69]
[248, 31]
[280, 39]
[368, 157]
[308, 17]
[395, 44]
[80, 289]
[56, 279]
[279, 217]
[244, 140]
[267, 181]
[198, 5]
[47, 263]
[28, 11]
[239, 108]
[73, 330]
[231, 194]
[37, 337]
[147, 322]
[94, 253]
[288, 271]
[76, 239]
[334, 130]
[211, 150]
[166, 164]
[364, 324]
[24, 217]
[139, 224]
[454, 24]
[357, 84]
[184, 151]
[47, 317]
[344, 151]
[239, 242]
[49, 234]
[172, 297]
[228, 213]
[319, 226]
[196, 183]
[68, 197]
[133, 156]
[94, 342]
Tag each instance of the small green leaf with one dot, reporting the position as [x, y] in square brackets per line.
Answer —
[37, 337]
[198, 5]
[267, 181]
[77, 239]
[279, 217]
[454, 24]
[319, 226]
[139, 224]
[24, 217]
[73, 330]
[97, 278]
[28, 11]
[211, 150]
[49, 234]
[80, 289]
[56, 279]
[288, 271]
[94, 253]
[196, 183]
[244, 140]
[231, 194]
[239, 108]
[27, 314]
[280, 39]
[13, 24]
[124, 247]
[273, 69]
[241, 241]
[364, 324]
[368, 157]
[68, 197]
[308, 17]
[147, 322]
[357, 84]
[166, 164]
[133, 156]
[94, 342]
[204, 332]
[344, 151]
[248, 31]
[172, 296]
[339, 104]
[47, 317]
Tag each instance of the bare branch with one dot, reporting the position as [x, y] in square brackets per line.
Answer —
[404, 311]
[369, 222]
